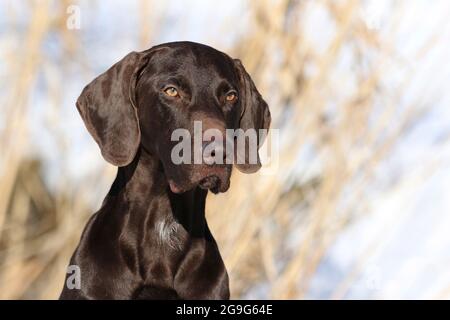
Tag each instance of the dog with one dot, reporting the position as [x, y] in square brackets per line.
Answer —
[150, 238]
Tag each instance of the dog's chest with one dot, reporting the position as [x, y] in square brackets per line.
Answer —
[170, 233]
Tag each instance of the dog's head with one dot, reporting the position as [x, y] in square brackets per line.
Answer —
[144, 98]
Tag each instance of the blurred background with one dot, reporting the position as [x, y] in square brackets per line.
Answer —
[359, 204]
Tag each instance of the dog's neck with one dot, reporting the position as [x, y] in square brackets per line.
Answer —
[143, 182]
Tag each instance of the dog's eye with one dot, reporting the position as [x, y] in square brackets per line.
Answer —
[231, 96]
[171, 92]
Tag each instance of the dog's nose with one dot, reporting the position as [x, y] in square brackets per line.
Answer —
[213, 152]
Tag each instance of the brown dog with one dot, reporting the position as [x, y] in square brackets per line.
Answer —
[150, 239]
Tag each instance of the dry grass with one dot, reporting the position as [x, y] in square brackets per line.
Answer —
[337, 127]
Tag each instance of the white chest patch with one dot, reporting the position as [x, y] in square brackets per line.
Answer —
[167, 230]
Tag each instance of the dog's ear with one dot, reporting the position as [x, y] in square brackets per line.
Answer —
[107, 106]
[255, 115]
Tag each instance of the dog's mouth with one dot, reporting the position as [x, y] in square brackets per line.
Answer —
[216, 181]
[210, 183]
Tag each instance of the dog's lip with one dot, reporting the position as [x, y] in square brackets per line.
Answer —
[174, 187]
[212, 182]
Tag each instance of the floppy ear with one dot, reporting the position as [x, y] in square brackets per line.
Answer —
[107, 107]
[255, 114]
